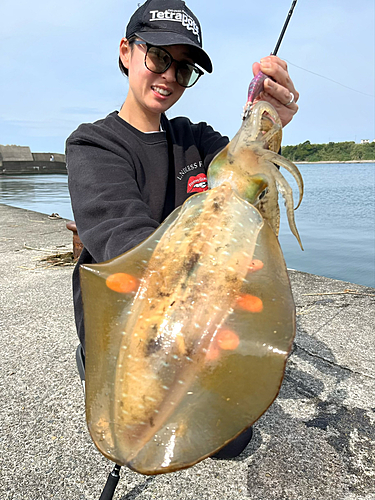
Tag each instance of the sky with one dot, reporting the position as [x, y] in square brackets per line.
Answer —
[58, 66]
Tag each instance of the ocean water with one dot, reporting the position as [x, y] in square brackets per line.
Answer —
[336, 220]
[42, 193]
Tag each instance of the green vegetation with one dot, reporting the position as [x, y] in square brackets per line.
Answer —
[333, 151]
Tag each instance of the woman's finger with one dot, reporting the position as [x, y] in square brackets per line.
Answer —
[279, 89]
[275, 59]
[284, 95]
[278, 71]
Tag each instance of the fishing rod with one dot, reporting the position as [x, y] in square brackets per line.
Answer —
[275, 50]
[257, 83]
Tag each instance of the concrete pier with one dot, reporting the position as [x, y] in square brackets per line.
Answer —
[316, 442]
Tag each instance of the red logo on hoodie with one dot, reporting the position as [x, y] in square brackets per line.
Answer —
[197, 184]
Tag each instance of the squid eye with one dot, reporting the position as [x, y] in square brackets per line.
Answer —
[263, 194]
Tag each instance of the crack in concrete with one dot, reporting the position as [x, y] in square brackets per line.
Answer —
[332, 363]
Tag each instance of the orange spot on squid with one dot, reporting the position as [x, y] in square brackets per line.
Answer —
[212, 353]
[228, 340]
[121, 282]
[256, 265]
[250, 303]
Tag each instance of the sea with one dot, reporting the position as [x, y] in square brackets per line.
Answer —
[336, 220]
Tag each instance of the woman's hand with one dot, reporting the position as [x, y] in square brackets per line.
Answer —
[279, 92]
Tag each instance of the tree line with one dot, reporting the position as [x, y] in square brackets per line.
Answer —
[333, 151]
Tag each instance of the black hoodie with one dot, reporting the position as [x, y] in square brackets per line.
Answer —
[123, 183]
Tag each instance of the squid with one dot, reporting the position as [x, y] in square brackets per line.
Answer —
[187, 335]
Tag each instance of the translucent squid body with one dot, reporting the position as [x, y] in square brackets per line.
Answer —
[187, 335]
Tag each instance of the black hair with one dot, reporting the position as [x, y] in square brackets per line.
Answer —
[124, 70]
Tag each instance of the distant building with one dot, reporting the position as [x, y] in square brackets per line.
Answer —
[20, 160]
[365, 141]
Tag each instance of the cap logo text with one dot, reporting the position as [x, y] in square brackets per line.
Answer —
[179, 16]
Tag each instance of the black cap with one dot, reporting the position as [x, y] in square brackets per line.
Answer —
[169, 22]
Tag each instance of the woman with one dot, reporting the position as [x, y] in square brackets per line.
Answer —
[129, 171]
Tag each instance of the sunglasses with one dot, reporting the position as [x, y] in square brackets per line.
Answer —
[158, 60]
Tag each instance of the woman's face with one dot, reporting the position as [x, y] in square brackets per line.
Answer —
[151, 92]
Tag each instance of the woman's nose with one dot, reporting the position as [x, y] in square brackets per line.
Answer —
[170, 73]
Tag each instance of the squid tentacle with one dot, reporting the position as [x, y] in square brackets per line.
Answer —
[290, 167]
[286, 191]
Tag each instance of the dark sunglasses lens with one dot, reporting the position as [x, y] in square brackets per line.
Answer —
[187, 75]
[157, 60]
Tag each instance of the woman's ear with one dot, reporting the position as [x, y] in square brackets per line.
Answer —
[125, 51]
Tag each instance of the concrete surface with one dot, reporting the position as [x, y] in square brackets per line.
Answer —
[316, 442]
[15, 153]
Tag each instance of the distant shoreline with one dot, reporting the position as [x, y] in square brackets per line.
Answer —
[331, 161]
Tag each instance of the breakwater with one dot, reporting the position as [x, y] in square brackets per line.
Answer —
[19, 160]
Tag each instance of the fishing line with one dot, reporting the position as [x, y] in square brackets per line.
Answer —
[312, 72]
[326, 78]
